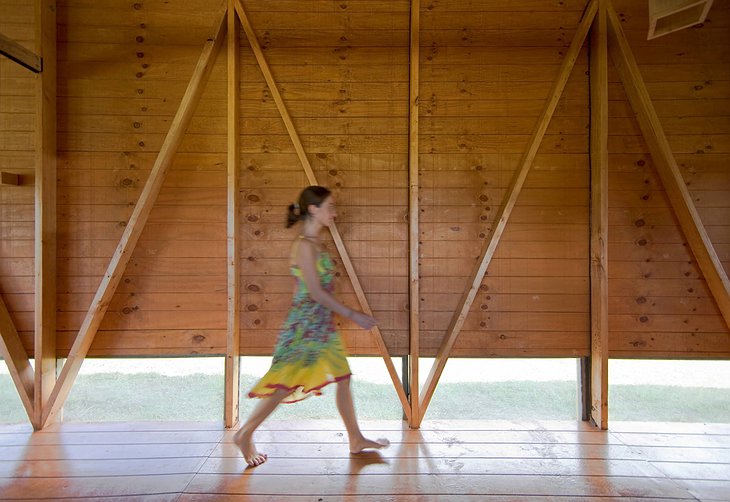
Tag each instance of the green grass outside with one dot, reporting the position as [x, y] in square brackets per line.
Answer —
[128, 397]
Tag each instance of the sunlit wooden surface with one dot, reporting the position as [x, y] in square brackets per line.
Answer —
[309, 460]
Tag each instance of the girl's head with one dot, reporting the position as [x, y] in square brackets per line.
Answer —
[314, 202]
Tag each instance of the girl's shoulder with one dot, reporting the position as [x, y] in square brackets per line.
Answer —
[310, 246]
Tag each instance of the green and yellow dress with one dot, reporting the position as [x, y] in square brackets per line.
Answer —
[309, 353]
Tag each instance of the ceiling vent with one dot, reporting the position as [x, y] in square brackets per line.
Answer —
[666, 16]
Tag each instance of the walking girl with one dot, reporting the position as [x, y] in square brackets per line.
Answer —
[309, 353]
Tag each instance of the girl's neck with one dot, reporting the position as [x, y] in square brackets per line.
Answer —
[311, 229]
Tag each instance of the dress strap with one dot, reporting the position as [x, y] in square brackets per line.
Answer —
[295, 248]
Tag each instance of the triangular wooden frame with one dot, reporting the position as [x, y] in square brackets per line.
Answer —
[652, 131]
[508, 203]
[135, 225]
[312, 179]
[144, 205]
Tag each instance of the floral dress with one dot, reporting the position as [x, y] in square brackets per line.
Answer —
[309, 353]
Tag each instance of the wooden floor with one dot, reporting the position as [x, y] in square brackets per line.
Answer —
[309, 460]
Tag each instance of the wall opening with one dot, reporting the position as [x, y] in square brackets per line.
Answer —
[649, 390]
[165, 389]
[11, 409]
[509, 389]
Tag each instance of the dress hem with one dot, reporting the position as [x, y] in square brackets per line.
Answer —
[313, 391]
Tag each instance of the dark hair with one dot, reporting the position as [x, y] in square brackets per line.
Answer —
[311, 195]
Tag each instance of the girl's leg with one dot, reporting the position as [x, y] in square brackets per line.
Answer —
[244, 436]
[345, 406]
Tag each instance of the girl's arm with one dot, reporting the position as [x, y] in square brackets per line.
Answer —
[306, 261]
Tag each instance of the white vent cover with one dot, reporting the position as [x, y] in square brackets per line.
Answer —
[666, 16]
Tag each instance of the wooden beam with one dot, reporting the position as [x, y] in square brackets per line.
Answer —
[599, 218]
[45, 212]
[413, 208]
[583, 366]
[508, 204]
[12, 351]
[136, 222]
[666, 165]
[16, 52]
[271, 83]
[233, 338]
[7, 178]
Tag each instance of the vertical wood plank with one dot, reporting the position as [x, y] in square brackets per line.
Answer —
[233, 339]
[666, 165]
[312, 179]
[413, 208]
[135, 225]
[583, 367]
[45, 211]
[508, 204]
[599, 218]
[12, 351]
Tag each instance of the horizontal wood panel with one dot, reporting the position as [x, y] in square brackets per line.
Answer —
[429, 125]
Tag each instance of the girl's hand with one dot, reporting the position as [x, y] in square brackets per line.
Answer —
[363, 320]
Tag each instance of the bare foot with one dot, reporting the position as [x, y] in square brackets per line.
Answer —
[364, 443]
[248, 449]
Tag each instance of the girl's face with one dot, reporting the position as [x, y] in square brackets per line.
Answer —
[326, 212]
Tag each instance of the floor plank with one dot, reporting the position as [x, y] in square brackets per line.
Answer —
[188, 497]
[309, 460]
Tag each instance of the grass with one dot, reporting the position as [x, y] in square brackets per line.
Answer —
[146, 396]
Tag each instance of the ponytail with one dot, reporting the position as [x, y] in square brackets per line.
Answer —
[293, 215]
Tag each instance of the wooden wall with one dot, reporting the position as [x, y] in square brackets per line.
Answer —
[342, 68]
[17, 147]
[659, 303]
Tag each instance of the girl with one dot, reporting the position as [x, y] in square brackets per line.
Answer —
[309, 353]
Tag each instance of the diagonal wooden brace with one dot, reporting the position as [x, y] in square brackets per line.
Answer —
[508, 204]
[11, 349]
[666, 165]
[136, 223]
[263, 65]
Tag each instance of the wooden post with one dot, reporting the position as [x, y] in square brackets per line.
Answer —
[135, 225]
[11, 349]
[599, 218]
[16, 52]
[583, 366]
[233, 339]
[406, 378]
[312, 179]
[457, 321]
[45, 212]
[413, 208]
[666, 166]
